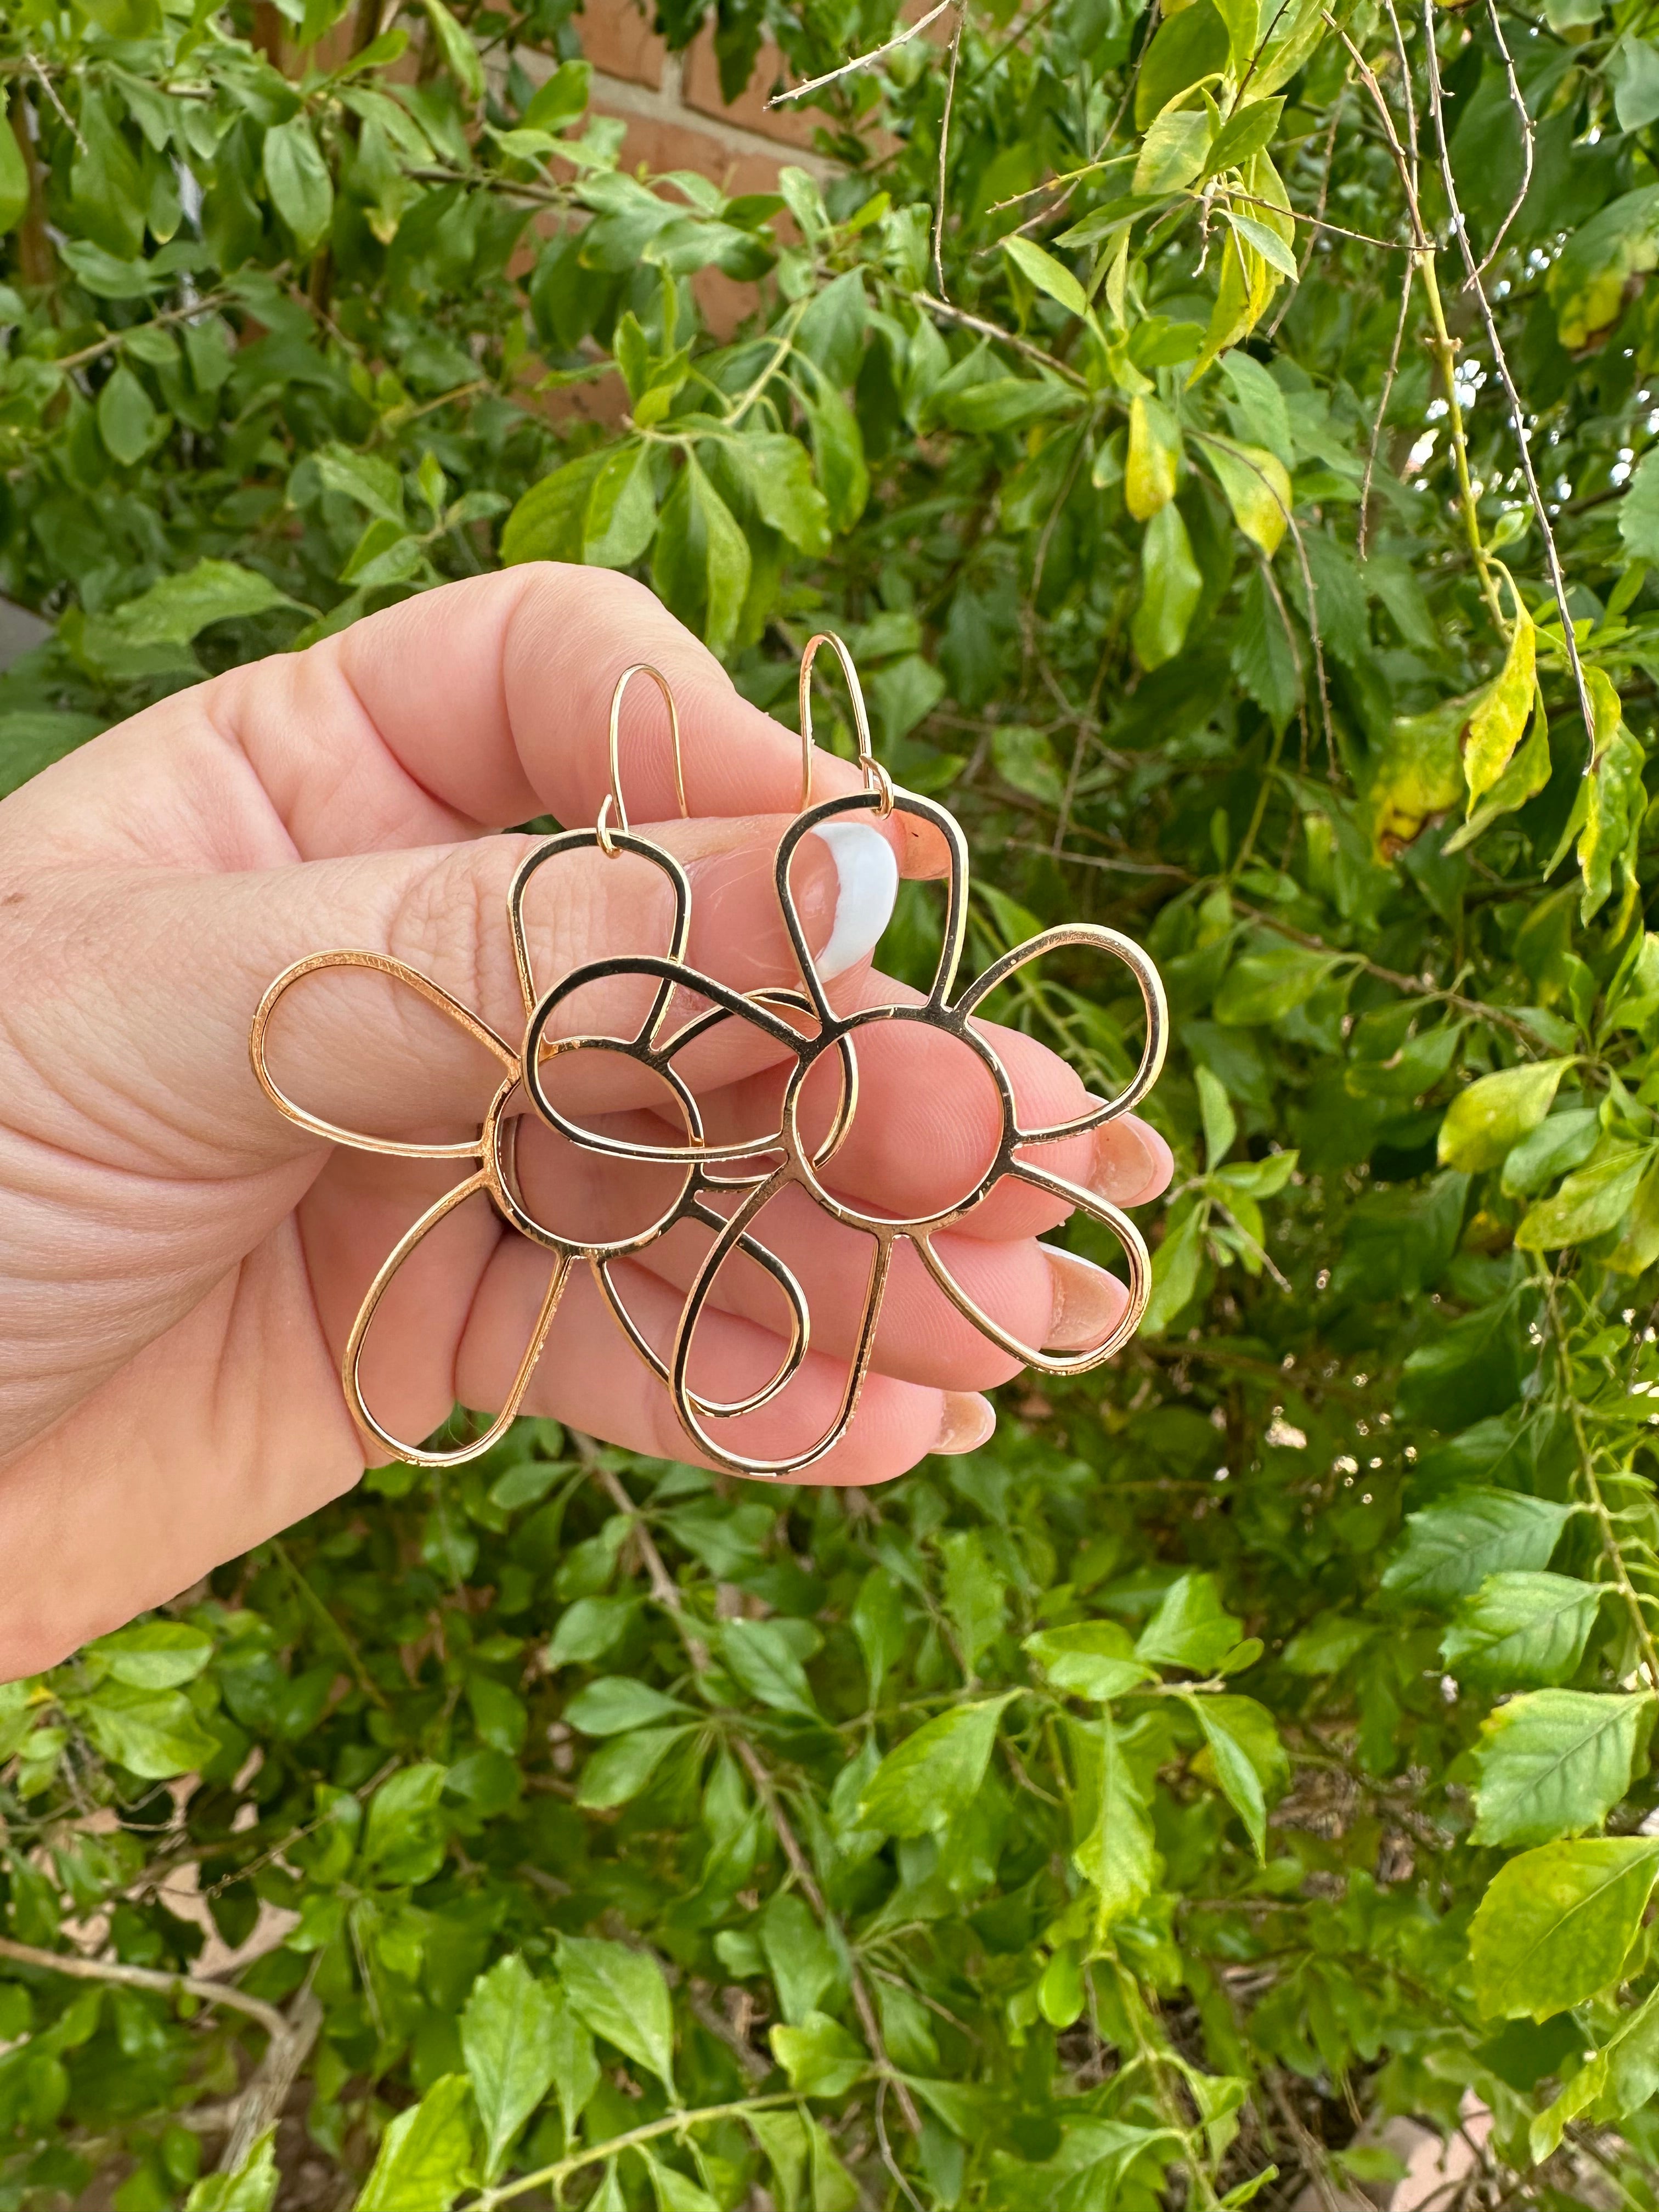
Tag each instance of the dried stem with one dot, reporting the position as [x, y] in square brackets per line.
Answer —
[1517, 101]
[79, 1969]
[860, 61]
[1386, 393]
[945, 145]
[1500, 361]
[1033, 353]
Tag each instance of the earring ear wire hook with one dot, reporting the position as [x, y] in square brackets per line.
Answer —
[614, 797]
[876, 777]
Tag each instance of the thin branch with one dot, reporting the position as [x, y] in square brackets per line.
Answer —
[673, 2124]
[1500, 360]
[79, 1969]
[261, 2102]
[1388, 375]
[1020, 346]
[1406, 92]
[860, 61]
[1517, 101]
[1336, 230]
[668, 1594]
[945, 145]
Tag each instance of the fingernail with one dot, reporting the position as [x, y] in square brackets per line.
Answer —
[1127, 1162]
[966, 1423]
[1088, 1302]
[867, 884]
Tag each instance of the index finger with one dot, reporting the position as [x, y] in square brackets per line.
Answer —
[485, 704]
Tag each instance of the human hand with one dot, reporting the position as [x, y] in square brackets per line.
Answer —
[182, 1266]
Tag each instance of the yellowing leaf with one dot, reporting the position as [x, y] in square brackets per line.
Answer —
[1258, 488]
[1174, 151]
[1153, 459]
[1171, 583]
[1486, 1121]
[1500, 714]
[1555, 1925]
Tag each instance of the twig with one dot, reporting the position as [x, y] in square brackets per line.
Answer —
[32, 60]
[860, 61]
[1500, 361]
[1388, 375]
[667, 1594]
[1034, 353]
[260, 2105]
[108, 344]
[1336, 230]
[673, 2124]
[79, 1969]
[1406, 92]
[1517, 101]
[945, 146]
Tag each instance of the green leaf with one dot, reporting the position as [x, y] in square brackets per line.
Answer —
[252, 2187]
[1520, 1630]
[778, 472]
[154, 1734]
[461, 57]
[1173, 154]
[1215, 1110]
[1265, 986]
[1171, 582]
[153, 1654]
[1589, 1204]
[588, 1629]
[620, 1770]
[404, 1838]
[621, 516]
[1555, 1762]
[617, 1702]
[575, 2063]
[701, 565]
[1048, 276]
[14, 174]
[820, 2058]
[930, 1777]
[1247, 1756]
[1267, 242]
[177, 609]
[1489, 1117]
[1554, 1927]
[1450, 1549]
[365, 478]
[800, 1957]
[297, 176]
[509, 2035]
[1186, 48]
[1638, 510]
[425, 2154]
[676, 2192]
[126, 419]
[622, 1996]
[1116, 1856]
[1248, 129]
[760, 1658]
[1190, 1627]
[1095, 1659]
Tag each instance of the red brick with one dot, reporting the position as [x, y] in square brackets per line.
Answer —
[790, 126]
[618, 37]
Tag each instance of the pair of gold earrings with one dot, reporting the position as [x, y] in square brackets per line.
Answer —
[752, 1171]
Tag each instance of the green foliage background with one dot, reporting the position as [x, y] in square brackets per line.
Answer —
[1249, 1744]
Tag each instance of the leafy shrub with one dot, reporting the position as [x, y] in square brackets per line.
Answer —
[1248, 1745]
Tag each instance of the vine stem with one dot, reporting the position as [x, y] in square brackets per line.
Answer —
[667, 1594]
[79, 1969]
[549, 2177]
[1611, 1550]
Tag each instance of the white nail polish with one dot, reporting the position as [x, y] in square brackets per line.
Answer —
[867, 885]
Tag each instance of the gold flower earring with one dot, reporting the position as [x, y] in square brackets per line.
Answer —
[492, 1151]
[945, 1012]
